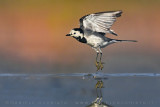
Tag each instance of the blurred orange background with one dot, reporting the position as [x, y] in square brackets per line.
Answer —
[32, 36]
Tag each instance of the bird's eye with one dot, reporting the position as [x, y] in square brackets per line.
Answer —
[74, 33]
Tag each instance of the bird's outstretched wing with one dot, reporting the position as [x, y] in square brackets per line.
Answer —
[100, 22]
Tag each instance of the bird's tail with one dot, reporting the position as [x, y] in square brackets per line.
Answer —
[123, 40]
[126, 40]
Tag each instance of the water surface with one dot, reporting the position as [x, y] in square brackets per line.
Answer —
[78, 90]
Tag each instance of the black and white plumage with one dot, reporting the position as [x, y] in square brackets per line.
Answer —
[100, 22]
[93, 28]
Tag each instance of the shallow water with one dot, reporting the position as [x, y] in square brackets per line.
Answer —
[78, 90]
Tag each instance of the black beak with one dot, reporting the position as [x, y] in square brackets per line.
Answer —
[68, 35]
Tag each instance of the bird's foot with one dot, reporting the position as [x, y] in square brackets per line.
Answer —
[97, 65]
[101, 65]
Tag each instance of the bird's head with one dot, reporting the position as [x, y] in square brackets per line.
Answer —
[76, 33]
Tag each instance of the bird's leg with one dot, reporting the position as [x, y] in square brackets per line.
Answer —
[97, 63]
[100, 63]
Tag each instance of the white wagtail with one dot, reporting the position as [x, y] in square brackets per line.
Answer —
[93, 28]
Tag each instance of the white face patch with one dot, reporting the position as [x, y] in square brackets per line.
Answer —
[76, 33]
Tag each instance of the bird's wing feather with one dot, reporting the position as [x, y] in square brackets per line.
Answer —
[99, 22]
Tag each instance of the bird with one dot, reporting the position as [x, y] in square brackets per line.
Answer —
[92, 31]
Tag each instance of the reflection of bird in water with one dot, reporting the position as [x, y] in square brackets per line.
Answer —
[99, 85]
[93, 28]
[98, 101]
[99, 105]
